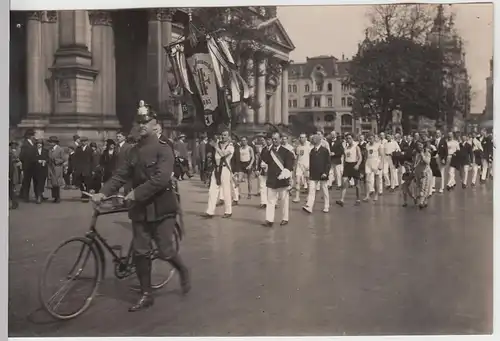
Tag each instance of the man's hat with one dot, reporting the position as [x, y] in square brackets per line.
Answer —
[76, 137]
[145, 113]
[53, 139]
[84, 138]
[29, 133]
[110, 142]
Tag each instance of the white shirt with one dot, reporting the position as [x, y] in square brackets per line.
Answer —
[390, 147]
[245, 154]
[303, 152]
[373, 152]
[476, 145]
[350, 153]
[453, 147]
[228, 149]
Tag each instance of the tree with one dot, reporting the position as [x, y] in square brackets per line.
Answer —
[396, 70]
[409, 21]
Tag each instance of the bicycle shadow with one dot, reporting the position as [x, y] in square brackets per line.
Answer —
[40, 317]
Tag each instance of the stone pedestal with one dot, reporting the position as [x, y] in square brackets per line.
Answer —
[251, 72]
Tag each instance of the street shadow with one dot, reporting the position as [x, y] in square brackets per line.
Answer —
[40, 317]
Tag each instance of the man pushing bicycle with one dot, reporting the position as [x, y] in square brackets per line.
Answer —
[149, 166]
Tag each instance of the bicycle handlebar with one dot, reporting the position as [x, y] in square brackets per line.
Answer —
[115, 196]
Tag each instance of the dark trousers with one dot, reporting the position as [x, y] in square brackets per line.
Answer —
[28, 176]
[203, 174]
[161, 233]
[82, 181]
[39, 180]
[12, 193]
[56, 192]
[67, 179]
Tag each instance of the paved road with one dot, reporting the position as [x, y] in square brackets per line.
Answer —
[373, 269]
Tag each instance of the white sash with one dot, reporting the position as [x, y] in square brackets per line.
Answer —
[277, 161]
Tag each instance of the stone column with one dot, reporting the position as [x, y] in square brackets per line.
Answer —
[103, 60]
[49, 43]
[73, 71]
[250, 112]
[159, 31]
[284, 94]
[35, 79]
[165, 16]
[261, 91]
[277, 102]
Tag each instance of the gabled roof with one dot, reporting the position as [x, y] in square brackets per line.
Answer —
[330, 65]
[280, 36]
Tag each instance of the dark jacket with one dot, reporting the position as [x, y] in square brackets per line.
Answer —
[148, 166]
[28, 154]
[44, 155]
[122, 152]
[108, 164]
[319, 163]
[82, 161]
[442, 148]
[337, 148]
[273, 171]
[465, 154]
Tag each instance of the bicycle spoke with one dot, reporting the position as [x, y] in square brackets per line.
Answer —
[70, 281]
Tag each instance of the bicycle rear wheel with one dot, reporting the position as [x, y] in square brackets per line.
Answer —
[413, 190]
[162, 271]
[74, 264]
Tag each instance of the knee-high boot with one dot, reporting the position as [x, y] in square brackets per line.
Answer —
[185, 279]
[143, 271]
[57, 194]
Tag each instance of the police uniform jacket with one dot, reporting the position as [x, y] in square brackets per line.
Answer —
[319, 163]
[148, 166]
[273, 171]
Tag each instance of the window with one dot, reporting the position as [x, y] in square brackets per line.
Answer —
[349, 102]
[294, 88]
[330, 102]
[289, 88]
[329, 118]
[319, 86]
[294, 103]
[306, 88]
[307, 103]
[346, 120]
[343, 101]
[317, 102]
[289, 103]
[345, 87]
[330, 87]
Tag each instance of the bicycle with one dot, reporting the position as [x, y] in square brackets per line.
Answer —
[93, 245]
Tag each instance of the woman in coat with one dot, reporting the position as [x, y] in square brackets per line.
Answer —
[40, 170]
[55, 168]
[96, 170]
[108, 160]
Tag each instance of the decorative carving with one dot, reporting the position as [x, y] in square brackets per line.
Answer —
[50, 16]
[34, 15]
[102, 18]
[161, 14]
[64, 90]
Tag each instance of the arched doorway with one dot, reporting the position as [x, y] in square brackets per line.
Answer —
[131, 44]
[17, 68]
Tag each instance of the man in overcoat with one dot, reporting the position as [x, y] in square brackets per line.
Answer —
[56, 168]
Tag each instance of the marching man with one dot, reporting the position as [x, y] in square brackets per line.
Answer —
[302, 165]
[278, 163]
[221, 176]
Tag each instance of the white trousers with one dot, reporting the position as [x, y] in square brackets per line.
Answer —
[484, 169]
[465, 174]
[373, 174]
[335, 175]
[442, 170]
[300, 177]
[263, 189]
[390, 172]
[475, 171]
[215, 191]
[312, 193]
[273, 195]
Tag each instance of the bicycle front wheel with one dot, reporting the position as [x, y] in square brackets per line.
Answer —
[70, 278]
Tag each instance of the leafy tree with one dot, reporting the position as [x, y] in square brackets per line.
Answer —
[397, 71]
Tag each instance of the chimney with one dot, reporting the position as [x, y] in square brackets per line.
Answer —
[343, 56]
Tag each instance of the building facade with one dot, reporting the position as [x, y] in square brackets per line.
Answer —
[84, 72]
[488, 111]
[319, 96]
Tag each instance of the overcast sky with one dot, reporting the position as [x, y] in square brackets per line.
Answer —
[336, 30]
